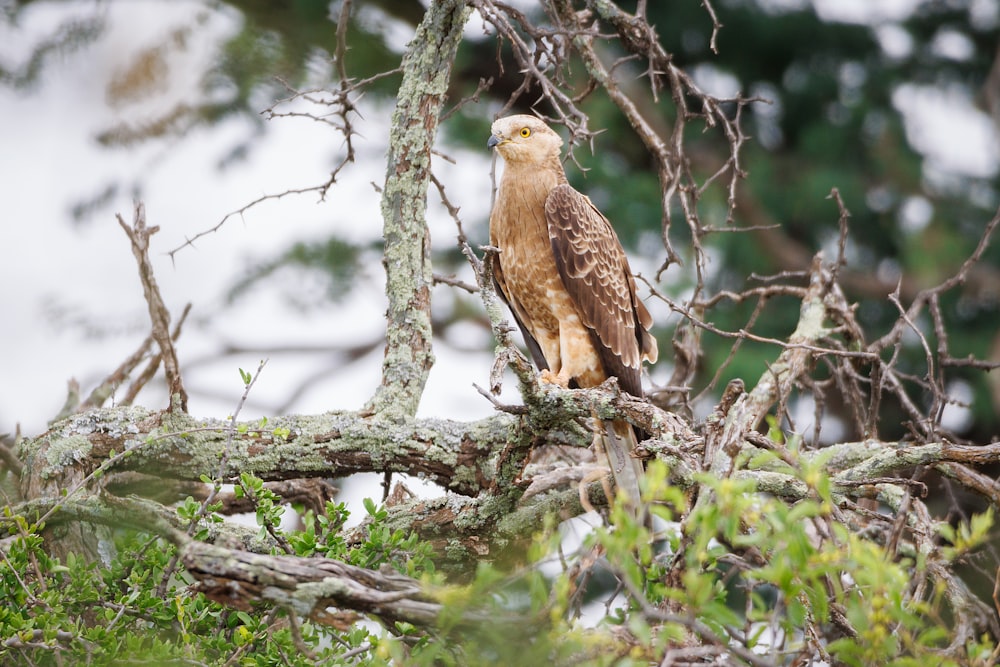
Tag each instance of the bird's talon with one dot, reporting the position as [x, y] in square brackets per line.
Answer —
[548, 377]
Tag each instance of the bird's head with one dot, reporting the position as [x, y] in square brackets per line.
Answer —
[524, 139]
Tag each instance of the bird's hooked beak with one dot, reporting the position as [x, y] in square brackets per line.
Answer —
[494, 140]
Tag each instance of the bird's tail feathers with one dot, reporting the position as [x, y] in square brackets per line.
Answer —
[626, 470]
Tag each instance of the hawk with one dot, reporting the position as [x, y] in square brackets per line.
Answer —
[567, 281]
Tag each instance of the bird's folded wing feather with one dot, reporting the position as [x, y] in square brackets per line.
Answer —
[596, 274]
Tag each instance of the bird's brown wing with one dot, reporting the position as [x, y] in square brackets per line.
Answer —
[596, 274]
[500, 284]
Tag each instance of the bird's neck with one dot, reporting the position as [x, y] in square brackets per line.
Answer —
[541, 177]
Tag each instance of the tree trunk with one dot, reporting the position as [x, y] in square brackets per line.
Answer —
[426, 72]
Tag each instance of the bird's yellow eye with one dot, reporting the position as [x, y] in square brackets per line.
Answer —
[525, 132]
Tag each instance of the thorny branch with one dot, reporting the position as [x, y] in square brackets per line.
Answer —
[342, 101]
[861, 465]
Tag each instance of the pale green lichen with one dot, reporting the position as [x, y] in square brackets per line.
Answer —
[63, 452]
[811, 317]
[457, 552]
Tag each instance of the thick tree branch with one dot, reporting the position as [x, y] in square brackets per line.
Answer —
[732, 425]
[308, 586]
[455, 455]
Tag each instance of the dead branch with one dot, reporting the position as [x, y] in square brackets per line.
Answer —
[139, 234]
